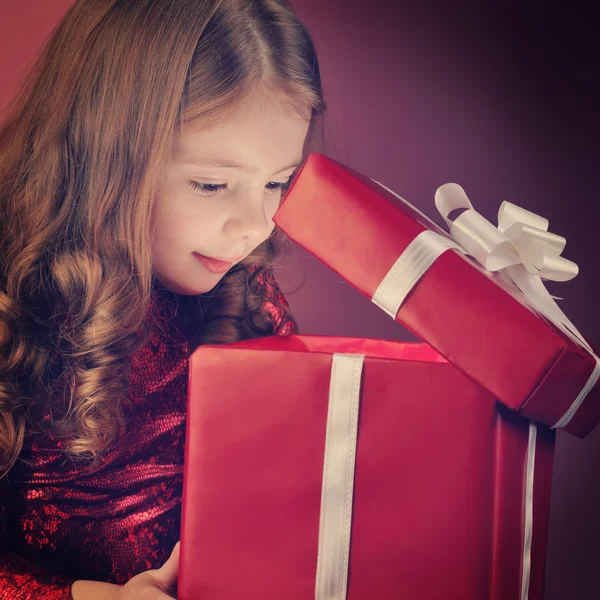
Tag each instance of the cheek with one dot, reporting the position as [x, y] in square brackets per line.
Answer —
[174, 223]
[273, 207]
[173, 228]
[272, 214]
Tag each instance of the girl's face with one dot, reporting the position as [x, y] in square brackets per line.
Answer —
[220, 211]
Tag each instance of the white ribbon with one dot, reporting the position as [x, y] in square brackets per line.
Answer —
[338, 477]
[337, 491]
[520, 250]
[528, 521]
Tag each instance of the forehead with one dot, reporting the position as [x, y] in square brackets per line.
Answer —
[258, 128]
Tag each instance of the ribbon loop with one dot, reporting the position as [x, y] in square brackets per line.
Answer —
[510, 213]
[522, 237]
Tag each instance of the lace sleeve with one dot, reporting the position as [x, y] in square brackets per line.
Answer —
[276, 305]
[21, 578]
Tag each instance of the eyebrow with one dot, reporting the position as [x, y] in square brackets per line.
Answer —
[217, 163]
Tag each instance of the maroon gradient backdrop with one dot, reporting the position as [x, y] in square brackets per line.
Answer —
[500, 99]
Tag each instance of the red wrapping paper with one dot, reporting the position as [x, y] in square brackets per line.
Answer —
[472, 317]
[439, 482]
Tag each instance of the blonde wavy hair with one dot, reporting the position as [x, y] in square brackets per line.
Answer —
[81, 150]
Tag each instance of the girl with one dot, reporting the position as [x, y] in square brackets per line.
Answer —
[152, 138]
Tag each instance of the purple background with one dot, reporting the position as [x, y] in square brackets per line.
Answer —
[501, 99]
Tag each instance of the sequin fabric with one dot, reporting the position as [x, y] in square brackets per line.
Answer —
[60, 522]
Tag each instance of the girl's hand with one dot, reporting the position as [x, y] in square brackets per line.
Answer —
[155, 584]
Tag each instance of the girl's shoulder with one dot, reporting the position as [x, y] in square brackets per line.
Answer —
[275, 303]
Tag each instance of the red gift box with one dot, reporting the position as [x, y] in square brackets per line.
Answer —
[392, 253]
[335, 468]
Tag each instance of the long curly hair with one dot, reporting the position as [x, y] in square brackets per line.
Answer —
[81, 150]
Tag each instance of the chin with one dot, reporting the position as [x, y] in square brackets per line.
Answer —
[184, 289]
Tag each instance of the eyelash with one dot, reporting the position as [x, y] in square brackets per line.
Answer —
[198, 186]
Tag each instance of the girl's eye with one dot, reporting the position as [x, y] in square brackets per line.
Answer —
[213, 189]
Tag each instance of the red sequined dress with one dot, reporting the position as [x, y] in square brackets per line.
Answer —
[59, 523]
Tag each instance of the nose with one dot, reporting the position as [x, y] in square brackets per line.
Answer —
[249, 219]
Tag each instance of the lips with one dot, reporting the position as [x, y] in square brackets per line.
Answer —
[214, 265]
[221, 258]
[226, 260]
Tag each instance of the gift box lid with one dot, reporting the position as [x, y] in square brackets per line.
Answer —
[476, 319]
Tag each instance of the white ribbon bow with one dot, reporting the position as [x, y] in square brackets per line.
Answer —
[521, 250]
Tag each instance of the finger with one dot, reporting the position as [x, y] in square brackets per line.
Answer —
[160, 595]
[167, 574]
